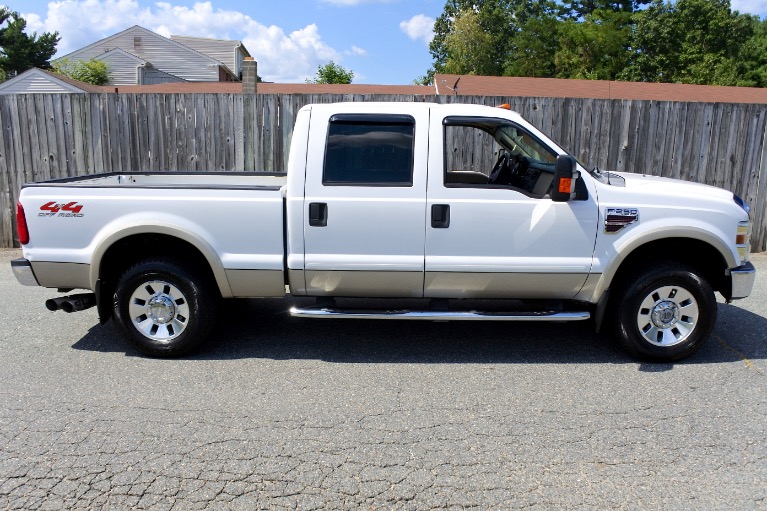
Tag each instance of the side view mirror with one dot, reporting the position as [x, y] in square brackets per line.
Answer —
[565, 178]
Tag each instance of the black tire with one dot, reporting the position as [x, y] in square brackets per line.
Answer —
[664, 312]
[163, 308]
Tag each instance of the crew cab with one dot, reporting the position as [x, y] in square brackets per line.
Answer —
[445, 206]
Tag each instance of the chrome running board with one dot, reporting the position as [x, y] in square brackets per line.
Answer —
[324, 312]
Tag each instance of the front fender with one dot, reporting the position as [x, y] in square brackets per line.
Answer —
[614, 254]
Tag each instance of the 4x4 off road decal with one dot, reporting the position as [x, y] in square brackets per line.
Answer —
[618, 218]
[70, 209]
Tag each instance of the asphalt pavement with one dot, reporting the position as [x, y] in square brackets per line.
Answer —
[278, 412]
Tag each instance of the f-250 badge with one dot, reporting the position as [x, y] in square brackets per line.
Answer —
[70, 209]
[618, 218]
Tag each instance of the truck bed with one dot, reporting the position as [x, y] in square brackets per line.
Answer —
[235, 220]
[172, 180]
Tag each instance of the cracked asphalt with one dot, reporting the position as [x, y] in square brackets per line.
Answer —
[285, 413]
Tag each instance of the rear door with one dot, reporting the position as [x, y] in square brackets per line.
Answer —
[365, 200]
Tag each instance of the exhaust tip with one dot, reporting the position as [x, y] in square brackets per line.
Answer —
[71, 303]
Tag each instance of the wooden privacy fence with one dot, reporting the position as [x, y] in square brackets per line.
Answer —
[45, 136]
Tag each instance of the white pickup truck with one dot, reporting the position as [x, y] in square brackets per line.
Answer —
[450, 205]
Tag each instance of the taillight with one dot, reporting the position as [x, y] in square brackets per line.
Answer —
[21, 224]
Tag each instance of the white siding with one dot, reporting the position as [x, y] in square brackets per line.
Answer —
[220, 49]
[150, 76]
[36, 83]
[123, 67]
[238, 58]
[161, 52]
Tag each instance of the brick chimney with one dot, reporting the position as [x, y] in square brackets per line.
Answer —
[249, 76]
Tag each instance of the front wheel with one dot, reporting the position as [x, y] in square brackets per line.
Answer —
[164, 309]
[665, 313]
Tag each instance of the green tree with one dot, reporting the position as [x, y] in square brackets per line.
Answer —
[20, 51]
[332, 73]
[497, 19]
[752, 60]
[691, 41]
[91, 71]
[596, 48]
[684, 41]
[579, 9]
[536, 42]
[469, 48]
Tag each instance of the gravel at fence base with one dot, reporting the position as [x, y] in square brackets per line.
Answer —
[288, 413]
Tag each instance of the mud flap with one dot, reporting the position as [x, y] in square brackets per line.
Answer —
[599, 314]
[104, 304]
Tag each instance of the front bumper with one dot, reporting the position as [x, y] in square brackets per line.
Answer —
[22, 269]
[742, 279]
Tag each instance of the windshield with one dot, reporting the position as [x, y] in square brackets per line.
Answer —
[520, 143]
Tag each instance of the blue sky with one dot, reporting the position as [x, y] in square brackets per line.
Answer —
[382, 41]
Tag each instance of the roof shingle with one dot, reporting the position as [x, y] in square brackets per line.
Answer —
[273, 88]
[470, 85]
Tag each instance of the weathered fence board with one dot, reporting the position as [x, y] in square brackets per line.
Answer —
[55, 136]
[6, 238]
[170, 130]
[198, 133]
[248, 126]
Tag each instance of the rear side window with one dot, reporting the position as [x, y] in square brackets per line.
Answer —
[369, 150]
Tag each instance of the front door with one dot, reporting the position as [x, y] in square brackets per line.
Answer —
[504, 237]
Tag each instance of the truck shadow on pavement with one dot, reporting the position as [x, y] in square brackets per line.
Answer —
[264, 329]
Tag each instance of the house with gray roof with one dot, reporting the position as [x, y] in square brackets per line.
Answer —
[40, 81]
[126, 68]
[137, 56]
[231, 53]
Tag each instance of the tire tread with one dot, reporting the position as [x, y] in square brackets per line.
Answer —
[199, 293]
[630, 289]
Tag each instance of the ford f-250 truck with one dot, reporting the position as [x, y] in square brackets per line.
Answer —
[443, 203]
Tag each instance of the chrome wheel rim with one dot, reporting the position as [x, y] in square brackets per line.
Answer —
[667, 316]
[159, 310]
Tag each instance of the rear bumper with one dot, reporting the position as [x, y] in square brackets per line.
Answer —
[22, 269]
[742, 279]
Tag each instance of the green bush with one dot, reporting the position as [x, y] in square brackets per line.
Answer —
[95, 72]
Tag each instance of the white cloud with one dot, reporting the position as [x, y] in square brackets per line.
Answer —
[750, 6]
[291, 58]
[356, 51]
[281, 57]
[418, 27]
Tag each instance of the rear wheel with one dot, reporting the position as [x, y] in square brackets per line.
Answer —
[164, 309]
[666, 313]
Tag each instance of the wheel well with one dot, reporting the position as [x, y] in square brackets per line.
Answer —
[130, 250]
[699, 255]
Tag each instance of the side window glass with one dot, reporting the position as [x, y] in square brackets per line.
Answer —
[470, 154]
[496, 153]
[369, 150]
